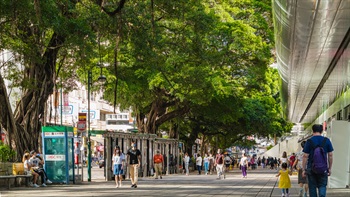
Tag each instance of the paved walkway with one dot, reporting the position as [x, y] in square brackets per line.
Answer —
[259, 183]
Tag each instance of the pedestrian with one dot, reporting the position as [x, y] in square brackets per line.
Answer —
[35, 161]
[118, 166]
[227, 163]
[211, 163]
[199, 163]
[134, 161]
[158, 164]
[275, 162]
[187, 163]
[302, 181]
[263, 162]
[272, 163]
[219, 163]
[284, 158]
[206, 164]
[291, 161]
[244, 165]
[252, 162]
[318, 155]
[284, 182]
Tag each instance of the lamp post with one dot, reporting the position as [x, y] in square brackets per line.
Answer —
[102, 79]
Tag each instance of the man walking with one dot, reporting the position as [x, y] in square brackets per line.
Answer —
[318, 150]
[134, 161]
[158, 164]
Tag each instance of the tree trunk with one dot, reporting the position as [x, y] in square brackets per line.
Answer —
[23, 126]
[158, 113]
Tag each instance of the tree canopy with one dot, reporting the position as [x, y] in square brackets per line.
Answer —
[200, 65]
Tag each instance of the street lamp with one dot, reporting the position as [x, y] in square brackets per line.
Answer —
[102, 79]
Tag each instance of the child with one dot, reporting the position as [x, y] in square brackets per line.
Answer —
[284, 183]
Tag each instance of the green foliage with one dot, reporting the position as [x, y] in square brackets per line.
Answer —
[205, 60]
[269, 147]
[6, 153]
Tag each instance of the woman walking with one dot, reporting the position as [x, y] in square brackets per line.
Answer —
[118, 164]
[244, 165]
[187, 163]
[206, 164]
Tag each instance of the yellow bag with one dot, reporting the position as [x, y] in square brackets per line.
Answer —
[17, 168]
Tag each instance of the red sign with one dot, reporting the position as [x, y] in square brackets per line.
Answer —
[81, 126]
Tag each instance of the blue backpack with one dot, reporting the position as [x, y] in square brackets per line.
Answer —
[319, 163]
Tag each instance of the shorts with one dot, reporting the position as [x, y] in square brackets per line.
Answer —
[117, 169]
[301, 179]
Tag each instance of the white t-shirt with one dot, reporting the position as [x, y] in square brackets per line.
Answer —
[227, 160]
[118, 159]
[284, 160]
[243, 161]
[300, 160]
[187, 159]
[199, 161]
[34, 161]
[206, 160]
[26, 162]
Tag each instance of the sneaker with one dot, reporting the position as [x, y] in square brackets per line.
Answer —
[43, 185]
[35, 185]
[287, 195]
[161, 177]
[301, 191]
[135, 186]
[48, 181]
[305, 194]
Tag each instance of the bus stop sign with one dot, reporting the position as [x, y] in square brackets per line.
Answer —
[81, 126]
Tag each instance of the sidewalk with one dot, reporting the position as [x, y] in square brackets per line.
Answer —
[260, 183]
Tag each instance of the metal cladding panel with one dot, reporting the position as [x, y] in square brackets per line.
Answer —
[308, 34]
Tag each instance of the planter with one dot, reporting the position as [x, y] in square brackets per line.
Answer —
[5, 168]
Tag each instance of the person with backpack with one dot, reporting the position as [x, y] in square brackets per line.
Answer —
[317, 161]
[227, 163]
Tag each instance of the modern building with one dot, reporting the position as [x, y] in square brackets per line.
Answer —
[313, 58]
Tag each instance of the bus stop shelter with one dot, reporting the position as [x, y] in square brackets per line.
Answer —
[147, 144]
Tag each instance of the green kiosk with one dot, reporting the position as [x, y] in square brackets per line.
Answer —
[58, 150]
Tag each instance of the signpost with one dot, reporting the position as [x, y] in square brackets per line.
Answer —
[81, 126]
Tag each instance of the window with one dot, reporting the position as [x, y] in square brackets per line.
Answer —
[102, 117]
[339, 115]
